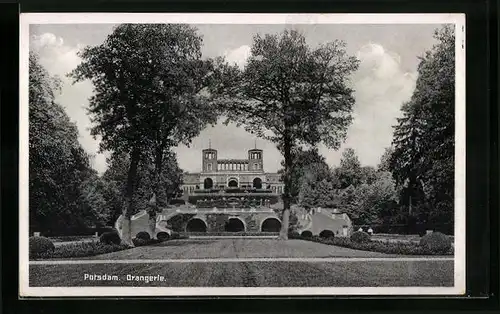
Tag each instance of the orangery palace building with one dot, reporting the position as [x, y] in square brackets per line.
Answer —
[222, 174]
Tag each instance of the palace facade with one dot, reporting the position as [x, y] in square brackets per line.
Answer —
[221, 174]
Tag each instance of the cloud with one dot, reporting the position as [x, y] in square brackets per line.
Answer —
[238, 56]
[381, 87]
[59, 59]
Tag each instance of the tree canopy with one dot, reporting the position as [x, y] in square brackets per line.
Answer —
[58, 164]
[149, 95]
[423, 157]
[290, 94]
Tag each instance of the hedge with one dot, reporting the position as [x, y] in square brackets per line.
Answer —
[81, 249]
[402, 248]
[436, 241]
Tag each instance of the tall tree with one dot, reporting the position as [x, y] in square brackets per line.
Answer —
[146, 78]
[58, 164]
[291, 94]
[423, 157]
[349, 172]
[176, 89]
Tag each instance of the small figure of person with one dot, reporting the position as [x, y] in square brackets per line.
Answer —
[370, 231]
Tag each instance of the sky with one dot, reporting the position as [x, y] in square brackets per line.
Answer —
[388, 54]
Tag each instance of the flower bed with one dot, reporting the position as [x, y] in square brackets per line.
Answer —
[402, 248]
[81, 249]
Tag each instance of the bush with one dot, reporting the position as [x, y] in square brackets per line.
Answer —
[139, 241]
[436, 242]
[326, 234]
[39, 245]
[293, 235]
[110, 238]
[143, 235]
[360, 237]
[81, 249]
[306, 234]
[162, 236]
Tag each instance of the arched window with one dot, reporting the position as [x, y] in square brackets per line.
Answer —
[209, 167]
[208, 183]
[257, 183]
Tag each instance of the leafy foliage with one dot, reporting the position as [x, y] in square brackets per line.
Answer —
[423, 157]
[115, 177]
[39, 245]
[148, 80]
[436, 242]
[59, 167]
[401, 248]
[81, 249]
[110, 238]
[290, 95]
[360, 237]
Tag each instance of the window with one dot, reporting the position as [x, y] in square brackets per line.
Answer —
[209, 167]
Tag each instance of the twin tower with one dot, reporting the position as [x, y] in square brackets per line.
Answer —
[211, 163]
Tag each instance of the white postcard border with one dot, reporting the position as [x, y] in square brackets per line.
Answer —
[111, 18]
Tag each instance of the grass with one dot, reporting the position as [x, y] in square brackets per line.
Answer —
[253, 274]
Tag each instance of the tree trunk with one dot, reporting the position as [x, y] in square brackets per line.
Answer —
[287, 148]
[129, 208]
[153, 209]
[152, 224]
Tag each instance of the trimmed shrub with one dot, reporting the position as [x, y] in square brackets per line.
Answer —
[293, 235]
[162, 236]
[360, 237]
[143, 235]
[306, 234]
[40, 245]
[436, 242]
[326, 234]
[140, 242]
[110, 238]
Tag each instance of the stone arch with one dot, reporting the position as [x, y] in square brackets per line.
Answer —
[233, 182]
[270, 224]
[235, 224]
[257, 183]
[196, 224]
[208, 183]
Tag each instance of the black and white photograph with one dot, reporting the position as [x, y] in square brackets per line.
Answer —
[242, 154]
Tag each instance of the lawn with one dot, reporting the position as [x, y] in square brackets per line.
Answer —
[254, 274]
[365, 268]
